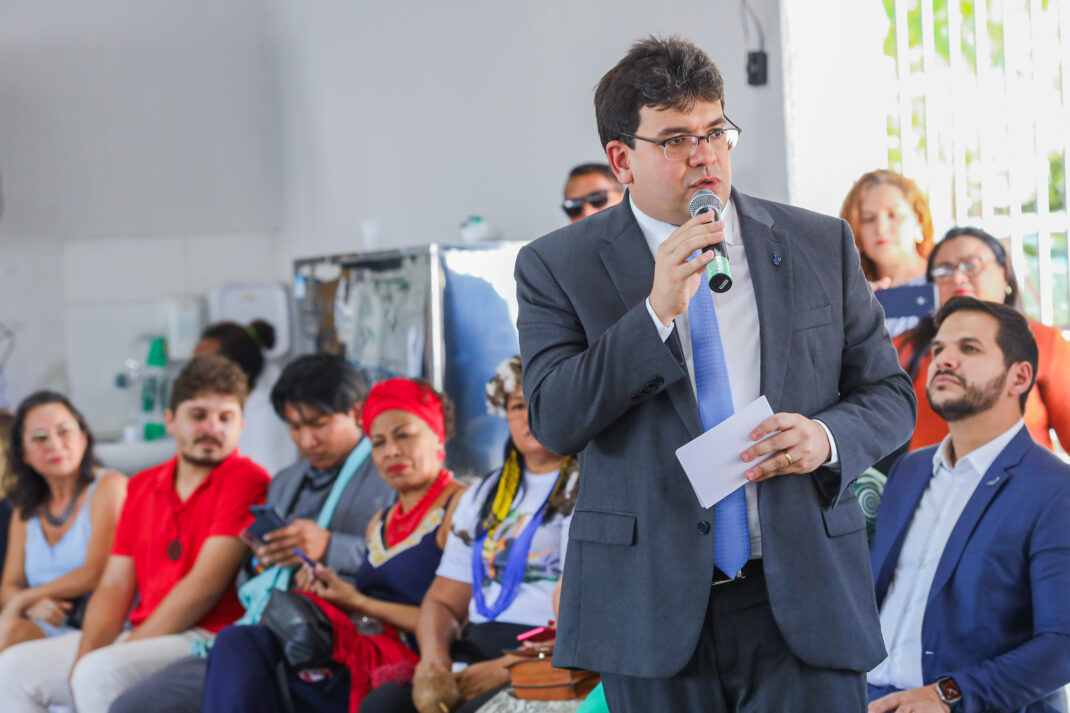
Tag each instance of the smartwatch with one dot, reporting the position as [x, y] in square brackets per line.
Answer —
[949, 692]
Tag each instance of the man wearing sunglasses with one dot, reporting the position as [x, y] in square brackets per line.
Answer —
[762, 602]
[591, 187]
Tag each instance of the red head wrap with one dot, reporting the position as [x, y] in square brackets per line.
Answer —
[404, 395]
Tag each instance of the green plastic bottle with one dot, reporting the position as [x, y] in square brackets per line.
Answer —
[154, 389]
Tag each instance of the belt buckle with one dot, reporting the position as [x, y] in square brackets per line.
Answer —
[739, 577]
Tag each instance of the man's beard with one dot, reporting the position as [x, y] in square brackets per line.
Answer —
[976, 399]
[201, 462]
[206, 462]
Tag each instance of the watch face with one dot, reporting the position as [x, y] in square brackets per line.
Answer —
[949, 690]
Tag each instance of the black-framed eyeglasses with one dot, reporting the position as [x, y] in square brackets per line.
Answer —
[681, 148]
[573, 207]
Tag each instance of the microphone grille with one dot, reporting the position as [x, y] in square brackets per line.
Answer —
[704, 201]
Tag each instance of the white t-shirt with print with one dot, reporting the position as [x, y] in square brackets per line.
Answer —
[533, 605]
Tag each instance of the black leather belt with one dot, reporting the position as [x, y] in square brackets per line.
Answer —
[753, 568]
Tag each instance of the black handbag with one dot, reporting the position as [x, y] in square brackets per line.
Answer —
[301, 628]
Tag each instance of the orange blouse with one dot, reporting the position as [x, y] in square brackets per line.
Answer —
[1048, 405]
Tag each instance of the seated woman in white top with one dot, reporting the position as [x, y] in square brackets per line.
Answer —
[66, 509]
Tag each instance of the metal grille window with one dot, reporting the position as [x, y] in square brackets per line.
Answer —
[982, 123]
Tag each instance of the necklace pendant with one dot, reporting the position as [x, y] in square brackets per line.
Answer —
[174, 550]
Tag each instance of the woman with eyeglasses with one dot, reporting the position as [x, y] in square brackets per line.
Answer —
[893, 231]
[66, 509]
[969, 261]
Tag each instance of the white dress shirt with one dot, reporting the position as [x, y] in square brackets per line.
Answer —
[938, 510]
[737, 321]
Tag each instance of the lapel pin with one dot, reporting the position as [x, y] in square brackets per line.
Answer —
[993, 481]
[776, 258]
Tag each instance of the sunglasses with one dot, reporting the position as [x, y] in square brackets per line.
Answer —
[573, 207]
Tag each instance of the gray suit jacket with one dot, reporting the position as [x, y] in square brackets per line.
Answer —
[365, 495]
[600, 381]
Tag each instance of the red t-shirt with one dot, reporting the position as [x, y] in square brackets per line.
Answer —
[153, 517]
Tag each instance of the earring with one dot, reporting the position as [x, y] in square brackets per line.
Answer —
[1008, 289]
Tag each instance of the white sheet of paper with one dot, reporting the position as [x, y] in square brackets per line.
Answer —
[712, 461]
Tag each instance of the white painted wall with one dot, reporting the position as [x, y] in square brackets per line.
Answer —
[306, 128]
[838, 89]
[140, 120]
[408, 117]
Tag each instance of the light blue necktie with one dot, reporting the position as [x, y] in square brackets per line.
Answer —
[731, 538]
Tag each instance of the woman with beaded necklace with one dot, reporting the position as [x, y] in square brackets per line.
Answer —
[498, 573]
[66, 510]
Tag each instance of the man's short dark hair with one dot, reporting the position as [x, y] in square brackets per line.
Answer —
[327, 383]
[588, 169]
[663, 73]
[1013, 335]
[212, 374]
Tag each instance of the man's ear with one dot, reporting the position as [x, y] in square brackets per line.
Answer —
[620, 160]
[358, 409]
[168, 419]
[1019, 378]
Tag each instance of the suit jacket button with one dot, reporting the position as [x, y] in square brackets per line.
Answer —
[703, 527]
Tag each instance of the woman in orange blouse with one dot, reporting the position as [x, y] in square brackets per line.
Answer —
[969, 261]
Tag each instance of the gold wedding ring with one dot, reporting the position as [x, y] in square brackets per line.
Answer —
[790, 459]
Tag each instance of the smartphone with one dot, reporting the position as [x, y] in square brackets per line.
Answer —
[539, 633]
[267, 519]
[908, 300]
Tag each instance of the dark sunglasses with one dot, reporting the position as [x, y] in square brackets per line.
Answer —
[574, 206]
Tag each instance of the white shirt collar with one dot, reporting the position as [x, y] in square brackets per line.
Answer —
[657, 231]
[979, 459]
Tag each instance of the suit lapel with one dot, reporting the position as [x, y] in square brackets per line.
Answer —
[630, 265]
[991, 485]
[901, 513]
[773, 285]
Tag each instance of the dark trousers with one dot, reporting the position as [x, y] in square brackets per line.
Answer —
[242, 678]
[480, 642]
[741, 665]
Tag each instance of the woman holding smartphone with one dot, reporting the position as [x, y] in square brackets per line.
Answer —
[408, 424]
[501, 565]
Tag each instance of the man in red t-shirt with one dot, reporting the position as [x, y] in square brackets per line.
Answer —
[175, 555]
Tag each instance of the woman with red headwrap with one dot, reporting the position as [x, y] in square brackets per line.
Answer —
[408, 424]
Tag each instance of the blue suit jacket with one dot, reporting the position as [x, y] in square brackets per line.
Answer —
[998, 615]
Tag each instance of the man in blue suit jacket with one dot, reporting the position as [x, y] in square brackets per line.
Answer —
[971, 557]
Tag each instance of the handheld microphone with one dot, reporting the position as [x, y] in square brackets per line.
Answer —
[718, 271]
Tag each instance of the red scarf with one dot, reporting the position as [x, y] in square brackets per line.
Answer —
[368, 658]
[400, 525]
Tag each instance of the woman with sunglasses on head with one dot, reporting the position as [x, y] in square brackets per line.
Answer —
[893, 231]
[408, 424]
[498, 573]
[969, 261]
[66, 510]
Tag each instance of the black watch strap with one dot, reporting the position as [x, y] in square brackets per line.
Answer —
[949, 692]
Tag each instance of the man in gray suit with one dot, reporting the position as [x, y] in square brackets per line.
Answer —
[320, 397]
[615, 369]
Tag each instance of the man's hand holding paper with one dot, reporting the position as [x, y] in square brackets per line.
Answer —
[727, 457]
